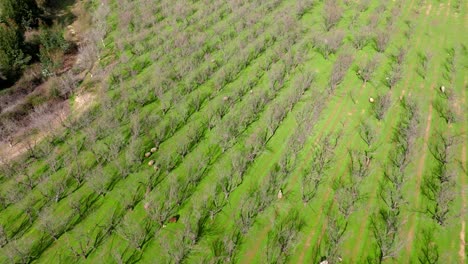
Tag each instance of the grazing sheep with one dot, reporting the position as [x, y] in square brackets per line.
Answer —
[225, 98]
[251, 91]
[442, 89]
[174, 219]
[147, 154]
[280, 194]
[371, 100]
[151, 163]
[146, 206]
[153, 149]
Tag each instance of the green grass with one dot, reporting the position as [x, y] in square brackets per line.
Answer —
[176, 57]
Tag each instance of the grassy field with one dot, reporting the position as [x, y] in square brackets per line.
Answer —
[255, 132]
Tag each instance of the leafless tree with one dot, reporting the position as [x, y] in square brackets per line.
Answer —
[359, 163]
[361, 37]
[334, 235]
[227, 182]
[424, 59]
[246, 214]
[440, 147]
[313, 174]
[380, 106]
[444, 110]
[224, 248]
[347, 195]
[196, 225]
[332, 13]
[54, 189]
[20, 251]
[384, 226]
[340, 67]
[51, 224]
[100, 181]
[276, 76]
[429, 252]
[82, 245]
[27, 179]
[366, 70]
[282, 237]
[137, 234]
[160, 209]
[177, 248]
[329, 43]
[67, 84]
[367, 133]
[3, 236]
[80, 205]
[381, 39]
[441, 195]
[393, 76]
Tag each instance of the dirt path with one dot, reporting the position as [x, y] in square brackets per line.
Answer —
[419, 173]
[420, 169]
[327, 195]
[461, 251]
[428, 11]
[253, 251]
[356, 249]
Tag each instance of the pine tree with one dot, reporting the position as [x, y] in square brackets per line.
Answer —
[12, 58]
[23, 13]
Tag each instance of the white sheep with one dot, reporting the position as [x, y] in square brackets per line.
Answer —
[442, 89]
[371, 100]
[280, 194]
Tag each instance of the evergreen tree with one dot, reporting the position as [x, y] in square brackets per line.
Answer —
[12, 58]
[24, 13]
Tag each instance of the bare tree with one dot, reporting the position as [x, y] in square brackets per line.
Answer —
[51, 224]
[54, 189]
[100, 181]
[282, 237]
[380, 106]
[444, 110]
[322, 158]
[384, 226]
[441, 196]
[329, 43]
[424, 59]
[3, 236]
[20, 251]
[393, 76]
[82, 245]
[429, 252]
[381, 39]
[366, 70]
[137, 234]
[334, 236]
[177, 248]
[361, 37]
[367, 133]
[359, 163]
[340, 67]
[224, 248]
[332, 13]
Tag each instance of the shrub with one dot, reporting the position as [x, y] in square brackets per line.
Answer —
[53, 46]
[22, 12]
[12, 58]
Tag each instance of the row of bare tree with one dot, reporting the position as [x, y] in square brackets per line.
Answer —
[386, 223]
